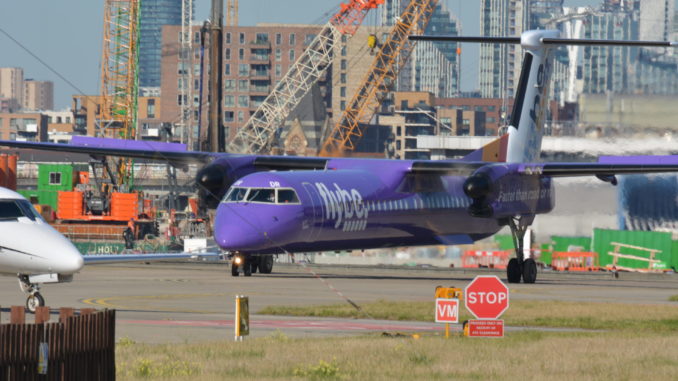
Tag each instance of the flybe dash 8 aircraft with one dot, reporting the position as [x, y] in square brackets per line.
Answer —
[36, 253]
[276, 204]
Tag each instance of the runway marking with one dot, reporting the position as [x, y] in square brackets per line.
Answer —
[113, 302]
[296, 324]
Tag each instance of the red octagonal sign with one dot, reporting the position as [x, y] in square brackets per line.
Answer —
[486, 297]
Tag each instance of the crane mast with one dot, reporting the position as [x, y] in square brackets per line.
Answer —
[186, 73]
[257, 134]
[119, 79]
[380, 78]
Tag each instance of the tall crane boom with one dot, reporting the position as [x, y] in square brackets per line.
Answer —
[257, 134]
[379, 78]
[119, 77]
[119, 80]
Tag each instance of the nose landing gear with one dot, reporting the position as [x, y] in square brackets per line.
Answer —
[249, 264]
[34, 299]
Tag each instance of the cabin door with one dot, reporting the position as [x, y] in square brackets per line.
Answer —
[313, 215]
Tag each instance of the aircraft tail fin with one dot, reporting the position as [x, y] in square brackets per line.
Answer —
[531, 97]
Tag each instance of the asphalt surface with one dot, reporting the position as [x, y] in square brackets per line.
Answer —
[192, 302]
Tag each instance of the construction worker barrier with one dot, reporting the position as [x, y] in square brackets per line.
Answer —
[575, 261]
[497, 259]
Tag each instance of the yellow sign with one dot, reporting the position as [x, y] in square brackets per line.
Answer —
[242, 316]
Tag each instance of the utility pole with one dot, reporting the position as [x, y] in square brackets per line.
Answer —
[216, 136]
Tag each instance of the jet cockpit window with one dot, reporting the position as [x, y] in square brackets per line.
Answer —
[287, 196]
[235, 195]
[29, 210]
[10, 210]
[266, 195]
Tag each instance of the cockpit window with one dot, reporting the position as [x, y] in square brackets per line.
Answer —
[236, 194]
[261, 195]
[287, 196]
[29, 210]
[10, 210]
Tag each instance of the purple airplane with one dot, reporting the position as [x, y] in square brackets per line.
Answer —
[269, 205]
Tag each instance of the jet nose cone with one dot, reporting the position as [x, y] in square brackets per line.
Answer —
[77, 262]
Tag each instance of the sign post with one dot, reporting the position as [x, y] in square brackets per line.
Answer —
[242, 317]
[447, 307]
[487, 298]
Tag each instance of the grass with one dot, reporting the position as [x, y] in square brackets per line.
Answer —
[556, 314]
[673, 298]
[634, 342]
[520, 355]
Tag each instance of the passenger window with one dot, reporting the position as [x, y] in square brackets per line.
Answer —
[9, 210]
[235, 195]
[262, 195]
[287, 196]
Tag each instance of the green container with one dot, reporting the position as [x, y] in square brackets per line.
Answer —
[603, 239]
[59, 177]
[504, 241]
[674, 255]
[30, 194]
[545, 256]
[564, 244]
[48, 197]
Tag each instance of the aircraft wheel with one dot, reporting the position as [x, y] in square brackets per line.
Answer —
[513, 271]
[529, 271]
[247, 267]
[34, 301]
[234, 269]
[266, 264]
[255, 263]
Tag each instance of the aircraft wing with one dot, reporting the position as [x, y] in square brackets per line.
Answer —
[168, 152]
[606, 166]
[123, 258]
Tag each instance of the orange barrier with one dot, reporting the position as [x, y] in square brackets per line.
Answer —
[575, 261]
[3, 170]
[10, 175]
[497, 259]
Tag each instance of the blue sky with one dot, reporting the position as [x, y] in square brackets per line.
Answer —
[66, 34]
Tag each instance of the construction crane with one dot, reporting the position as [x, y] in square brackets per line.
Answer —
[119, 77]
[186, 103]
[258, 133]
[380, 78]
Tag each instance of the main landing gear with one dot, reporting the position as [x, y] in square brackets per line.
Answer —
[520, 267]
[34, 299]
[249, 264]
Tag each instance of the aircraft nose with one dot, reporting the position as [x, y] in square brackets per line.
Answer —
[242, 236]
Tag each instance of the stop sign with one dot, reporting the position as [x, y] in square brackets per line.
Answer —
[486, 297]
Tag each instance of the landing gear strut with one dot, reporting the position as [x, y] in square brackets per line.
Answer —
[520, 267]
[34, 299]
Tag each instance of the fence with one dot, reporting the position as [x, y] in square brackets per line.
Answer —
[81, 347]
[497, 259]
[575, 261]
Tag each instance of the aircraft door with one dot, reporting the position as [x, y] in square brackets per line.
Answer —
[313, 216]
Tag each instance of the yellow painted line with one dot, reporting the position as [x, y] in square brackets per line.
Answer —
[118, 302]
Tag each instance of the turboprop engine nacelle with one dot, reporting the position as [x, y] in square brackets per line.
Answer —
[504, 190]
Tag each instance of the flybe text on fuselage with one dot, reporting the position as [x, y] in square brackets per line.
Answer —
[344, 207]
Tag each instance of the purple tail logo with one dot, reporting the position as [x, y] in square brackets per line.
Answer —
[344, 207]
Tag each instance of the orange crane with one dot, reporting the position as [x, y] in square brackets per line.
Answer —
[257, 134]
[379, 79]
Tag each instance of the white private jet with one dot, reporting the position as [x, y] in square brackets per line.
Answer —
[36, 253]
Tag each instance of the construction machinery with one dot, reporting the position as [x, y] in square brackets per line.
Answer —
[257, 135]
[380, 78]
